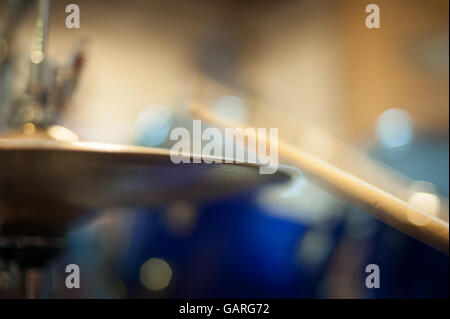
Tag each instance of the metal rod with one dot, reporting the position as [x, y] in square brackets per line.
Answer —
[39, 46]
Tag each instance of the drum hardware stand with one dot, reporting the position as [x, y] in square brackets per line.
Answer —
[33, 113]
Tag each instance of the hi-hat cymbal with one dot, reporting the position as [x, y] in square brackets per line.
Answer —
[44, 181]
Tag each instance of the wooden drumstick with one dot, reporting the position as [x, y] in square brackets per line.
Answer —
[381, 204]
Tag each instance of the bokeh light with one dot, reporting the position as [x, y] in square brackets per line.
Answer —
[153, 125]
[394, 128]
[155, 274]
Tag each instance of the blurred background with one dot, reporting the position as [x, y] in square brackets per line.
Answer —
[374, 102]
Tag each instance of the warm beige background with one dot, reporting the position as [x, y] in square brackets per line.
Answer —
[303, 63]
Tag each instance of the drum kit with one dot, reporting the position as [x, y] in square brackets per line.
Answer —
[49, 179]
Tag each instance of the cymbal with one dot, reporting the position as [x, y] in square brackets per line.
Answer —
[45, 183]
